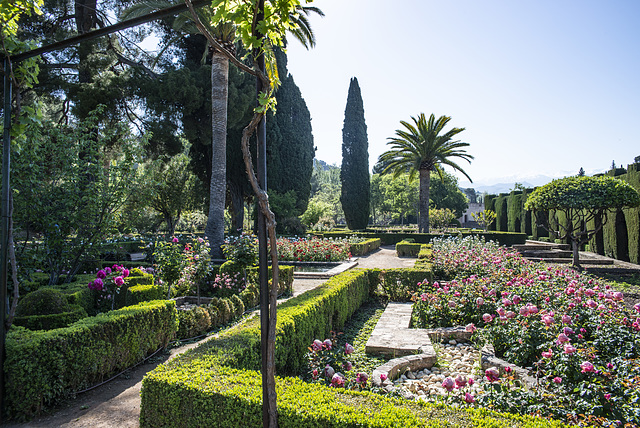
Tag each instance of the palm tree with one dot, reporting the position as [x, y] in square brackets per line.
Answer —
[225, 35]
[420, 149]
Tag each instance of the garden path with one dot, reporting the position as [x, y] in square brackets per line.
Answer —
[117, 403]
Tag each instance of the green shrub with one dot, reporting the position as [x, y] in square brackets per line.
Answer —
[224, 397]
[51, 321]
[397, 284]
[45, 301]
[193, 322]
[365, 247]
[238, 306]
[406, 248]
[43, 367]
[143, 293]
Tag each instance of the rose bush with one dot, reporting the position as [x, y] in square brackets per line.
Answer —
[573, 331]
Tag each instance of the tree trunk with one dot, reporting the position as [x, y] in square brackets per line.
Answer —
[218, 186]
[576, 252]
[425, 181]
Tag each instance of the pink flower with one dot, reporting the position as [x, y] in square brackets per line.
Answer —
[547, 354]
[469, 398]
[487, 318]
[461, 381]
[448, 384]
[524, 311]
[587, 367]
[125, 273]
[119, 281]
[562, 338]
[507, 369]
[480, 302]
[557, 379]
[590, 303]
[174, 240]
[533, 309]
[566, 319]
[347, 366]
[511, 314]
[329, 371]
[492, 374]
[516, 299]
[569, 349]
[383, 377]
[316, 345]
[348, 349]
[107, 270]
[637, 307]
[328, 344]
[314, 373]
[101, 274]
[470, 328]
[98, 284]
[547, 320]
[362, 378]
[607, 396]
[617, 295]
[471, 381]
[501, 312]
[337, 380]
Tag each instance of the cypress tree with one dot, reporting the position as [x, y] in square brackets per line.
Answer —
[354, 173]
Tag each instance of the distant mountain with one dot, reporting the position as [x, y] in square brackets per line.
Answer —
[507, 184]
[498, 188]
[325, 166]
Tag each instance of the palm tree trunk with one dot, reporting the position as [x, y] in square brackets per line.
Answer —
[218, 186]
[425, 181]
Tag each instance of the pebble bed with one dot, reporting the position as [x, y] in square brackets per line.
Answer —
[454, 358]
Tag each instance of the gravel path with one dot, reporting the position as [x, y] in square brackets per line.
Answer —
[117, 403]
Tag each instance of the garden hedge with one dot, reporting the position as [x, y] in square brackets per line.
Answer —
[407, 249]
[51, 321]
[620, 237]
[219, 384]
[365, 247]
[42, 367]
[501, 237]
[205, 394]
[143, 293]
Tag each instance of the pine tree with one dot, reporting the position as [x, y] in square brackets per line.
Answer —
[354, 173]
[581, 172]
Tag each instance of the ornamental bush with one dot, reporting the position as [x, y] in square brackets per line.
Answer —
[572, 330]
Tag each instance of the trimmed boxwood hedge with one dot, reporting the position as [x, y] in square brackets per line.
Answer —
[218, 383]
[407, 249]
[143, 293]
[42, 367]
[365, 247]
[501, 237]
[205, 394]
[51, 321]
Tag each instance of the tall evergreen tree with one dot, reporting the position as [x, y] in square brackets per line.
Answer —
[354, 173]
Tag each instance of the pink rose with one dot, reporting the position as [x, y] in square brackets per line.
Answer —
[566, 319]
[492, 374]
[569, 349]
[547, 354]
[448, 384]
[487, 318]
[469, 398]
[383, 377]
[470, 328]
[557, 379]
[587, 367]
[348, 349]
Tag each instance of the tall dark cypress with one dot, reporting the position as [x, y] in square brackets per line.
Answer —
[354, 174]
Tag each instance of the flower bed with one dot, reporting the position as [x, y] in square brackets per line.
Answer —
[572, 331]
[313, 249]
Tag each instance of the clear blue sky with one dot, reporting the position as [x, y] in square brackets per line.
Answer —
[542, 87]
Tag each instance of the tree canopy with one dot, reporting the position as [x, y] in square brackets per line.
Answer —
[422, 147]
[581, 200]
[354, 173]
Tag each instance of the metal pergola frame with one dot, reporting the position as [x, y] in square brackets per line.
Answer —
[6, 171]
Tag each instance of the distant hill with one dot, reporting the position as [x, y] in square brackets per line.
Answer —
[325, 166]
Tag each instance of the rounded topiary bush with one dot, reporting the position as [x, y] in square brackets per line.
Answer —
[238, 305]
[46, 309]
[231, 267]
[45, 301]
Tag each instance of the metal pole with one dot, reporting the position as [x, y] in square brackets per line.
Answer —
[4, 272]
